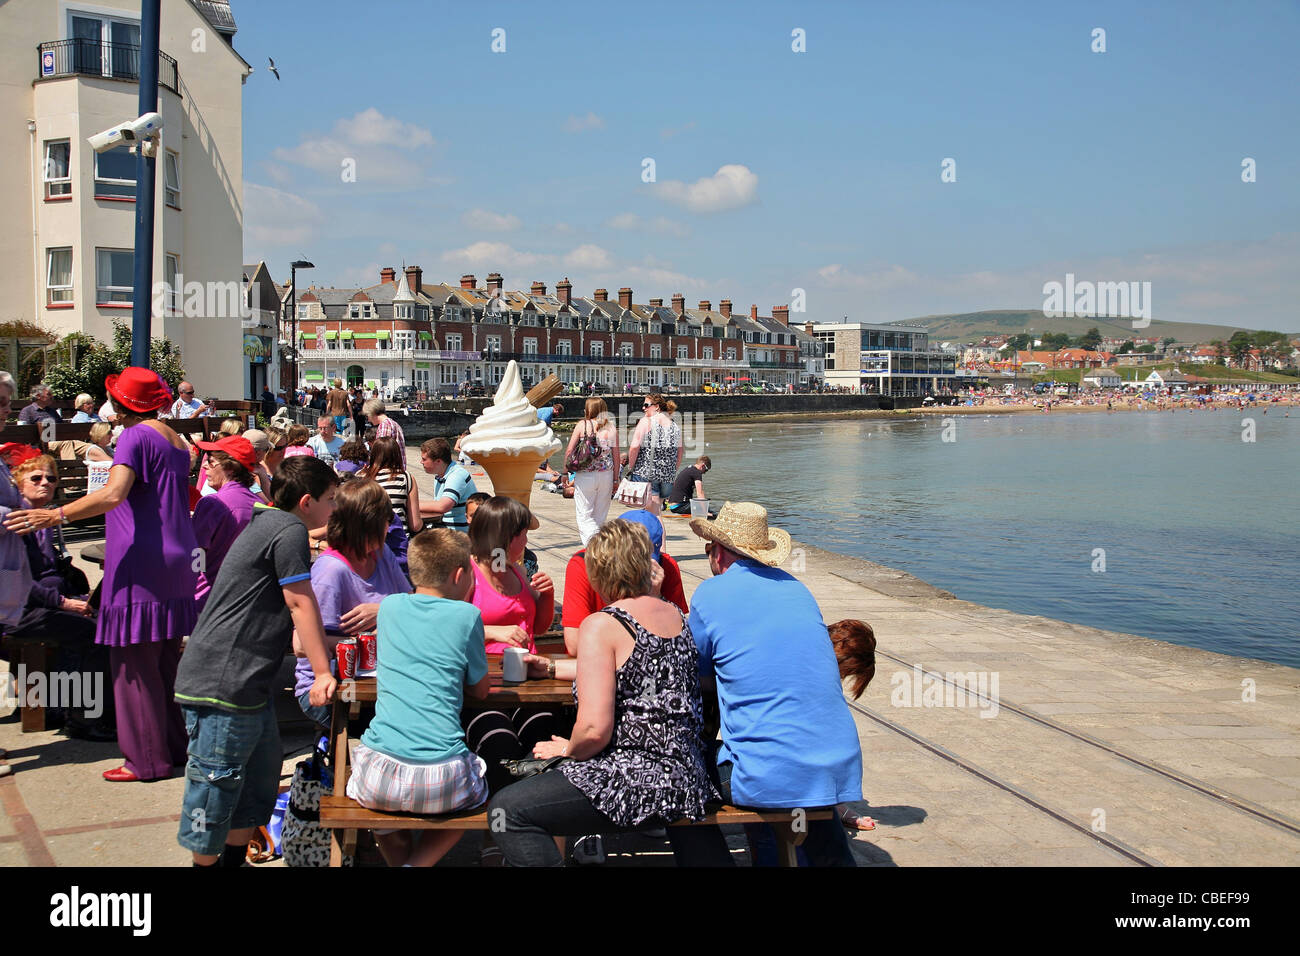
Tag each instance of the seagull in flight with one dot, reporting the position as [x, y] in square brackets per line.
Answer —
[273, 69]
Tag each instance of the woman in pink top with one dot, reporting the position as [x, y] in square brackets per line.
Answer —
[515, 610]
[297, 444]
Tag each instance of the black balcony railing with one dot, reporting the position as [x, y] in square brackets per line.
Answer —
[118, 61]
[535, 358]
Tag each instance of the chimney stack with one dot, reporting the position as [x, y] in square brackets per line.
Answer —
[494, 283]
[706, 305]
[539, 288]
[781, 313]
[725, 307]
[807, 328]
[468, 281]
[679, 303]
[564, 290]
[625, 297]
[601, 295]
[387, 274]
[656, 303]
[753, 312]
[414, 278]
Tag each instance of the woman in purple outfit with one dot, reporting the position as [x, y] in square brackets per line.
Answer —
[147, 597]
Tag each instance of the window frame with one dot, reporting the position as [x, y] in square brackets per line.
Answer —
[170, 155]
[111, 303]
[51, 288]
[53, 181]
[172, 297]
[112, 181]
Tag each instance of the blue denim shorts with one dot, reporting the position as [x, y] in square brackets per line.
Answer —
[232, 777]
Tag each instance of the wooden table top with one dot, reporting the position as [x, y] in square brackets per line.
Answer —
[542, 691]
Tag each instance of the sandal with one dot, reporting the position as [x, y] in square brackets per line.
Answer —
[852, 820]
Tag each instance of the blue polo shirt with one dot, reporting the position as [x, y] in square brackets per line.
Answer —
[786, 726]
[546, 414]
[457, 485]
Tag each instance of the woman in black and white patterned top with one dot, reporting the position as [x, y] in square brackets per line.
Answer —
[655, 449]
[636, 755]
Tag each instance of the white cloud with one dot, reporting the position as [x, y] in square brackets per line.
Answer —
[577, 124]
[488, 221]
[588, 256]
[494, 256]
[660, 225]
[731, 187]
[877, 280]
[276, 217]
[671, 131]
[384, 149]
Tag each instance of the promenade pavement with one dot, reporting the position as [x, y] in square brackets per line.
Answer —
[1102, 749]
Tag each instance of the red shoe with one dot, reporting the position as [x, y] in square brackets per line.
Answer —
[120, 775]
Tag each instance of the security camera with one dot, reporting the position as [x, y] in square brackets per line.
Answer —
[130, 132]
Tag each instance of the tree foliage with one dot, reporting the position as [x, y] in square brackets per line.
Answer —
[85, 363]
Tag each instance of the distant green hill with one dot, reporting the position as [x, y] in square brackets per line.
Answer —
[973, 326]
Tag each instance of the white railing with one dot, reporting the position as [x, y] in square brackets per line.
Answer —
[344, 356]
[711, 363]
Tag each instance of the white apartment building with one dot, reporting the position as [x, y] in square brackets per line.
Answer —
[886, 359]
[69, 69]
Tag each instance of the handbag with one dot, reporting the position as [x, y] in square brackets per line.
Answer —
[74, 579]
[634, 494]
[584, 453]
[526, 767]
[303, 840]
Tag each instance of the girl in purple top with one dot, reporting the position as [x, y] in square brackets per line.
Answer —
[220, 516]
[147, 596]
[352, 576]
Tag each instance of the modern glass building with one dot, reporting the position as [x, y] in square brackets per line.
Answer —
[886, 359]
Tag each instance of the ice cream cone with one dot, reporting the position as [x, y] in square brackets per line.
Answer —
[511, 475]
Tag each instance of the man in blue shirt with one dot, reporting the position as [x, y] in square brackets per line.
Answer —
[788, 739]
[547, 415]
[451, 488]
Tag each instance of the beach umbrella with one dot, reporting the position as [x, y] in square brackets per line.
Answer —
[730, 378]
[744, 378]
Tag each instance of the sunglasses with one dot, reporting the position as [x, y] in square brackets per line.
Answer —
[42, 479]
[190, 392]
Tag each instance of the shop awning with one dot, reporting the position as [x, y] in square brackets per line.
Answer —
[331, 335]
[381, 334]
[307, 335]
[424, 335]
[345, 334]
[364, 335]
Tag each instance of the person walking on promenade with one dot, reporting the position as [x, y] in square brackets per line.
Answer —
[593, 480]
[788, 739]
[337, 405]
[655, 451]
[147, 603]
[376, 413]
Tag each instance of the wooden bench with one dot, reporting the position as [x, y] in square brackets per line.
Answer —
[36, 656]
[344, 816]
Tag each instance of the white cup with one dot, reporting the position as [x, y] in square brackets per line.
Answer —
[513, 666]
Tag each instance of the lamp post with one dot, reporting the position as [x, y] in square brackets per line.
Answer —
[293, 312]
[142, 300]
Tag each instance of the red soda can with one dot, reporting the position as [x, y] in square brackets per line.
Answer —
[369, 644]
[347, 652]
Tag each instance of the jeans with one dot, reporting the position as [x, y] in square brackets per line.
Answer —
[322, 714]
[825, 845]
[232, 777]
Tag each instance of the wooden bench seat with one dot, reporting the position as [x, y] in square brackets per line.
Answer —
[35, 655]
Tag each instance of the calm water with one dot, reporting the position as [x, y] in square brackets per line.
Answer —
[1198, 527]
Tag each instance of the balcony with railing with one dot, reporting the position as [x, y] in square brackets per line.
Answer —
[391, 355]
[712, 363]
[114, 61]
[539, 358]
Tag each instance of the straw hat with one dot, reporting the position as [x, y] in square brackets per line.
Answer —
[741, 526]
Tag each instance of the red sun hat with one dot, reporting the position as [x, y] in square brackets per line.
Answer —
[138, 389]
[236, 446]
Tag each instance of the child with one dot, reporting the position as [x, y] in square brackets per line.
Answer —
[297, 445]
[228, 671]
[413, 757]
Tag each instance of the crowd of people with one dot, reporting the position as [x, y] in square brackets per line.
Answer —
[680, 706]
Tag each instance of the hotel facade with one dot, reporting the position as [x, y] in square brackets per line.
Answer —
[437, 338]
[69, 69]
[888, 359]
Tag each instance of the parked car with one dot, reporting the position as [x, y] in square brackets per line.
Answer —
[670, 389]
[405, 393]
[711, 389]
[473, 390]
[635, 388]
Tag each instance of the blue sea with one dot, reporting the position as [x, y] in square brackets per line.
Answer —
[1166, 525]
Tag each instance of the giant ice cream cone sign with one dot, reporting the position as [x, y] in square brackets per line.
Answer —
[509, 440]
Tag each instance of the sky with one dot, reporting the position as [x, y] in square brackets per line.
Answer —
[911, 159]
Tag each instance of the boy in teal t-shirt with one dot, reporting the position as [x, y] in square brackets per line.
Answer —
[413, 757]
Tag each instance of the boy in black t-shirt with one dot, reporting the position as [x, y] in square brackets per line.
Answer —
[227, 674]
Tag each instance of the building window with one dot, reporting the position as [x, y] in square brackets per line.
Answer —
[403, 340]
[708, 352]
[731, 355]
[564, 347]
[172, 265]
[303, 311]
[530, 346]
[106, 46]
[453, 341]
[58, 277]
[115, 174]
[681, 352]
[58, 173]
[114, 276]
[597, 349]
[656, 352]
[627, 349]
[172, 171]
